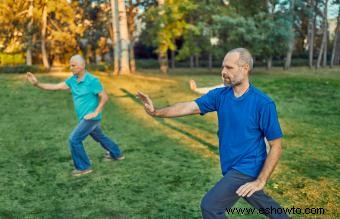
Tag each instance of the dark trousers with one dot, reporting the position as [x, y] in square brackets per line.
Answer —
[223, 196]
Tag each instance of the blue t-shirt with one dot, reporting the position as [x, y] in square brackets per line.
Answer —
[85, 94]
[243, 123]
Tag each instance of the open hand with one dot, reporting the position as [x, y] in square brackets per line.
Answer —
[90, 116]
[249, 188]
[148, 105]
[193, 85]
[31, 78]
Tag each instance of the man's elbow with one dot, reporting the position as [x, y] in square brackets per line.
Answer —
[104, 97]
[276, 145]
[279, 149]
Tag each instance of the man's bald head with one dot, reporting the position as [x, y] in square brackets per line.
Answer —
[244, 57]
[78, 59]
[77, 65]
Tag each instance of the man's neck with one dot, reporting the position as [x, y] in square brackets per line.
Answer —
[241, 89]
[80, 75]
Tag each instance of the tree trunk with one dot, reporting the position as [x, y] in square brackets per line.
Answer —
[324, 36]
[311, 24]
[43, 38]
[163, 62]
[324, 63]
[115, 37]
[30, 33]
[133, 12]
[191, 61]
[289, 54]
[163, 55]
[125, 40]
[320, 53]
[173, 63]
[292, 41]
[210, 60]
[269, 62]
[93, 52]
[132, 58]
[197, 61]
[335, 43]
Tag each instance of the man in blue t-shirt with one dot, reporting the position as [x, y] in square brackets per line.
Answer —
[89, 99]
[245, 117]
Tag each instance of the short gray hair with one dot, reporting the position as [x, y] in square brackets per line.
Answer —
[245, 57]
[78, 58]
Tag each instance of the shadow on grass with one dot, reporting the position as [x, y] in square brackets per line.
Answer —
[211, 147]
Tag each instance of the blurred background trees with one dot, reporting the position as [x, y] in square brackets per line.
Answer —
[122, 36]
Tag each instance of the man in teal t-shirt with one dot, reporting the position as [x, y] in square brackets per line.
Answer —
[89, 99]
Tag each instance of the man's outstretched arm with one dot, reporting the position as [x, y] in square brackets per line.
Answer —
[45, 86]
[175, 110]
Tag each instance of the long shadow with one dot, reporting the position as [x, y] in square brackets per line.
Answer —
[131, 95]
[211, 147]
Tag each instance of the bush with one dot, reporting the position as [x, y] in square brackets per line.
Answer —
[96, 67]
[147, 63]
[22, 69]
[12, 59]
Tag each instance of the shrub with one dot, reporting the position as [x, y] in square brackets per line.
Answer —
[22, 69]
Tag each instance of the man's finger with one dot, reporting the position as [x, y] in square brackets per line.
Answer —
[246, 191]
[251, 193]
[240, 189]
[140, 94]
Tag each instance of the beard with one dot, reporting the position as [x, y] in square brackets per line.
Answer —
[229, 83]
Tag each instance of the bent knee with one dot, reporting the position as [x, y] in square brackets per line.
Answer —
[73, 140]
[207, 203]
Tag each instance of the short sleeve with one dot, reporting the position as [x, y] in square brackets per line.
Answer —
[269, 122]
[68, 81]
[96, 86]
[209, 102]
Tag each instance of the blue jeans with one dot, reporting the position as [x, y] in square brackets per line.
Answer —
[78, 135]
[223, 196]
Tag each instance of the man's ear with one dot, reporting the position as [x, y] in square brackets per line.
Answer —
[246, 67]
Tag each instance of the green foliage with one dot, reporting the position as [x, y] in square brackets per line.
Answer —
[13, 23]
[22, 69]
[167, 23]
[96, 67]
[197, 36]
[62, 30]
[265, 33]
[274, 34]
[11, 59]
[243, 34]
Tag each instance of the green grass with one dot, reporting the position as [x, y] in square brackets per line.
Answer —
[163, 175]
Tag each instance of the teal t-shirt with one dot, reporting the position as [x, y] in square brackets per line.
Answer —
[85, 94]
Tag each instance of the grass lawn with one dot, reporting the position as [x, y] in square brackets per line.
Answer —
[170, 163]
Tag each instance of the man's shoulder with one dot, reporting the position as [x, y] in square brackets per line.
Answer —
[220, 90]
[70, 80]
[91, 77]
[262, 97]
